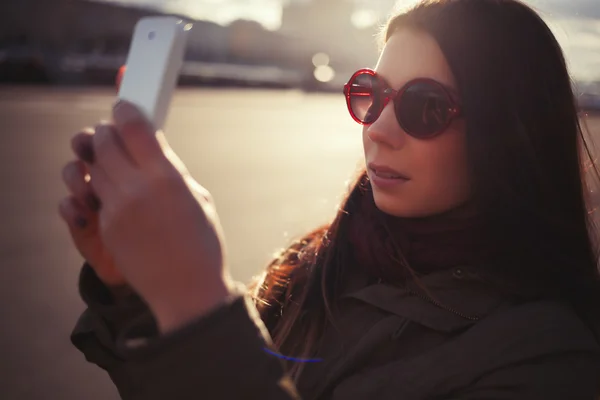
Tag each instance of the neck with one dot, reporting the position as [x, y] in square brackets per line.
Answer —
[442, 241]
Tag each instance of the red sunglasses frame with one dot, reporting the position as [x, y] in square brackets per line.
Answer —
[392, 94]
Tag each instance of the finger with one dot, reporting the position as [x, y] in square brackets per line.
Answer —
[82, 145]
[76, 215]
[111, 155]
[101, 184]
[83, 225]
[74, 175]
[137, 133]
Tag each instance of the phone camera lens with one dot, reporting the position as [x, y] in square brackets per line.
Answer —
[151, 35]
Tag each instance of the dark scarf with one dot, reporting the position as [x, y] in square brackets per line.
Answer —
[455, 238]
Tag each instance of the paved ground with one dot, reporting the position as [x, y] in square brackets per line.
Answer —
[275, 161]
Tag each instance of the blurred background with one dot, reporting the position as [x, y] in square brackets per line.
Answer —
[259, 119]
[307, 44]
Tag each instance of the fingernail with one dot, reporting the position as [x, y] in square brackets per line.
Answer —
[93, 202]
[81, 222]
[86, 153]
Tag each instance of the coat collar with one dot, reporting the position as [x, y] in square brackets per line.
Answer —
[446, 301]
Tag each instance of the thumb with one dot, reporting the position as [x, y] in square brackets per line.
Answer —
[170, 155]
[136, 133]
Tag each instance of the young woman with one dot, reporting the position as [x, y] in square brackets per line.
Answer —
[460, 264]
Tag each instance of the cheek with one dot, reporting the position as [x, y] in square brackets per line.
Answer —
[365, 139]
[443, 169]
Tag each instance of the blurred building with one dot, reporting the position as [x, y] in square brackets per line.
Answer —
[66, 25]
[85, 40]
[88, 26]
[250, 43]
[61, 34]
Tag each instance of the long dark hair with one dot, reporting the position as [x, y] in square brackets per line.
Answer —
[525, 147]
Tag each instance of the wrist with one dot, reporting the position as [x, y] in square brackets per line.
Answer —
[182, 309]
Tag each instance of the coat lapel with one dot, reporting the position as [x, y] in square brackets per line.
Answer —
[509, 337]
[447, 301]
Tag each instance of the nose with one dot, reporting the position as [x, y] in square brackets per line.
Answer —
[385, 130]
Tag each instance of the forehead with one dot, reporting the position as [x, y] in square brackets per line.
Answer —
[411, 54]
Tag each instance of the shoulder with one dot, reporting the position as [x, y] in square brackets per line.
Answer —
[534, 350]
[527, 332]
[557, 376]
[555, 321]
[541, 350]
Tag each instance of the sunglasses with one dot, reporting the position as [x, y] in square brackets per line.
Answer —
[423, 107]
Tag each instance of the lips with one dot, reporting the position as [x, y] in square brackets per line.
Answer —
[385, 172]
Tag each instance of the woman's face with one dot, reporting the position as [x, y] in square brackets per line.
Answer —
[436, 168]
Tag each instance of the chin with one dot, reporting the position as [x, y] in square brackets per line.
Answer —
[400, 206]
[393, 206]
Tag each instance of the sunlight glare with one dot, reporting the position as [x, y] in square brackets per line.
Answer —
[324, 73]
[364, 18]
[320, 59]
[267, 13]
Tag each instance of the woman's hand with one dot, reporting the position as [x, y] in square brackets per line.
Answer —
[159, 226]
[80, 212]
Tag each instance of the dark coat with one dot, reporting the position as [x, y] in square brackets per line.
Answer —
[463, 339]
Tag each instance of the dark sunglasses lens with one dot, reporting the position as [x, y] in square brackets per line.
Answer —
[365, 100]
[423, 109]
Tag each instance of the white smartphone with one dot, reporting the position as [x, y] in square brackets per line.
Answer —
[153, 65]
